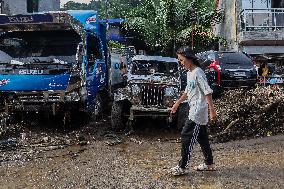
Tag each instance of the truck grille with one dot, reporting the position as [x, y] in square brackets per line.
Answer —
[152, 95]
[39, 97]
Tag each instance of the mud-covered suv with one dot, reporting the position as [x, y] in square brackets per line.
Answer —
[152, 85]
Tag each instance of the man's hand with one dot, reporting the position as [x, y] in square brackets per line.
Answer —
[180, 100]
[213, 115]
[174, 108]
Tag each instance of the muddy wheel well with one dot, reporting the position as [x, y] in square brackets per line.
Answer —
[106, 99]
[119, 114]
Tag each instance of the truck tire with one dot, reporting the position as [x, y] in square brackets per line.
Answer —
[118, 120]
[97, 110]
[182, 115]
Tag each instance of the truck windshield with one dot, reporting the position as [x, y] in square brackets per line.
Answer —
[143, 67]
[24, 44]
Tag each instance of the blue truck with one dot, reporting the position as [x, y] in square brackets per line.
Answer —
[54, 63]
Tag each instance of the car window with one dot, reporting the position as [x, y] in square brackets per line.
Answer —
[235, 60]
[145, 67]
[211, 56]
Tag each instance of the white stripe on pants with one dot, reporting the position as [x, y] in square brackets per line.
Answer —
[193, 139]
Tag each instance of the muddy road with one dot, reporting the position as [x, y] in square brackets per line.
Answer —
[94, 157]
[247, 142]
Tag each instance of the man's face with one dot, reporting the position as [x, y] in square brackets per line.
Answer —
[185, 62]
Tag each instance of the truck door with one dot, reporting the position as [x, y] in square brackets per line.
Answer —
[96, 68]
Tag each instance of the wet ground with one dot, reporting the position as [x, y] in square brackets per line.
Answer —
[94, 157]
[247, 141]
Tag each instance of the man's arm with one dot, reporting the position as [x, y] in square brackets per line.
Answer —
[180, 100]
[212, 111]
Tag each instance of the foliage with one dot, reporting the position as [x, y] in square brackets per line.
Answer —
[71, 5]
[165, 24]
[162, 24]
[114, 44]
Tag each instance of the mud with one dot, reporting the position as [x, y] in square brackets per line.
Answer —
[40, 155]
[141, 160]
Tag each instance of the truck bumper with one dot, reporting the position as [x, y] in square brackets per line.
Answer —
[136, 111]
[54, 107]
[238, 83]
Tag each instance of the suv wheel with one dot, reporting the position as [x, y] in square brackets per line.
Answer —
[118, 119]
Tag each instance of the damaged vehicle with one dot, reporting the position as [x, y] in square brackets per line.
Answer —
[151, 86]
[53, 63]
[228, 69]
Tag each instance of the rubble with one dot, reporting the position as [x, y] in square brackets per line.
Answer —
[112, 139]
[247, 113]
[135, 141]
[8, 144]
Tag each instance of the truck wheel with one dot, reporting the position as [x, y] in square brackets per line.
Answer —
[118, 119]
[182, 115]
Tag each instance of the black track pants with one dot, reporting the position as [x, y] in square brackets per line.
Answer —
[191, 133]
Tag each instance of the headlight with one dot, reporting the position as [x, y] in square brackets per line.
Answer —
[73, 96]
[135, 90]
[168, 101]
[171, 91]
[136, 99]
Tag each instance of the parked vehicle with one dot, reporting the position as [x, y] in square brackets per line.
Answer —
[228, 69]
[53, 63]
[151, 85]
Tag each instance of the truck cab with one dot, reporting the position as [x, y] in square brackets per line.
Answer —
[53, 62]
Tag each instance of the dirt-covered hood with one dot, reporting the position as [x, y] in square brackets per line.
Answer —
[154, 79]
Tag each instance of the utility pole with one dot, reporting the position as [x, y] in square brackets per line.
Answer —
[106, 3]
[193, 19]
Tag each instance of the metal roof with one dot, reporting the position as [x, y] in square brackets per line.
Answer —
[154, 58]
[54, 20]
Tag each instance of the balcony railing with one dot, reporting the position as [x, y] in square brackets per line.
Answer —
[262, 19]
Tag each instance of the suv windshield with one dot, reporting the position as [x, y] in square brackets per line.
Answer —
[143, 67]
[39, 43]
[235, 60]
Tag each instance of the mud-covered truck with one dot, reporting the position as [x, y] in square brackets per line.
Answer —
[150, 86]
[53, 63]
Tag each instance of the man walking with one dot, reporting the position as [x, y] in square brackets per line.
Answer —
[199, 96]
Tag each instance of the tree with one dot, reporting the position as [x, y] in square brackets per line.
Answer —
[164, 24]
[71, 5]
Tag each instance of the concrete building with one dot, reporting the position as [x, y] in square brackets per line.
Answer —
[253, 26]
[28, 6]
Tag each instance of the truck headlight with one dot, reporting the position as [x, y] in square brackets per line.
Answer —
[171, 91]
[136, 99]
[73, 96]
[136, 90]
[168, 101]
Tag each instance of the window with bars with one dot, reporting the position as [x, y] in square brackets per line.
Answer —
[256, 4]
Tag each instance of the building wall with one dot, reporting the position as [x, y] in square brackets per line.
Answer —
[228, 28]
[232, 30]
[15, 7]
[49, 5]
[20, 6]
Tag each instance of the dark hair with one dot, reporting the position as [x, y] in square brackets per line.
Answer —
[189, 54]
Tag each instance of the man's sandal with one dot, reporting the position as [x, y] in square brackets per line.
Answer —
[204, 167]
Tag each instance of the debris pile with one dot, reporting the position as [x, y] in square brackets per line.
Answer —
[247, 113]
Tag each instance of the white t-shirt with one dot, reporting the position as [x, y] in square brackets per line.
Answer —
[197, 87]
